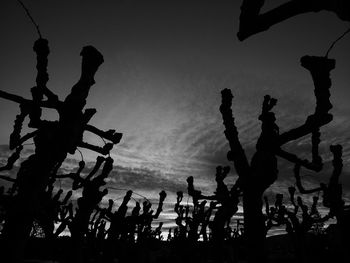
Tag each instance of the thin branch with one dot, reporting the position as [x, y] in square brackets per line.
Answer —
[18, 99]
[335, 41]
[81, 154]
[30, 17]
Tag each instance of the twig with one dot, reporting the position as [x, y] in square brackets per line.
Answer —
[335, 41]
[30, 17]
[122, 189]
[81, 154]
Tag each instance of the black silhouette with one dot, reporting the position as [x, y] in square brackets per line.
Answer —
[53, 140]
[34, 210]
[302, 220]
[253, 22]
[91, 197]
[256, 177]
[332, 199]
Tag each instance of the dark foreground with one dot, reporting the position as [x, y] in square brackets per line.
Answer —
[280, 249]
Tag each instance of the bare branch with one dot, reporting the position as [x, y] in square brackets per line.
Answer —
[30, 17]
[110, 135]
[295, 159]
[236, 153]
[335, 41]
[18, 99]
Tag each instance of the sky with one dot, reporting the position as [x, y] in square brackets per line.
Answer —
[165, 65]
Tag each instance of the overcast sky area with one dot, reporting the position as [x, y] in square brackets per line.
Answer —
[165, 65]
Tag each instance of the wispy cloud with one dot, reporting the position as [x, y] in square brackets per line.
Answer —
[167, 140]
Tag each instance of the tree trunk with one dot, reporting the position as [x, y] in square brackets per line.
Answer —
[254, 224]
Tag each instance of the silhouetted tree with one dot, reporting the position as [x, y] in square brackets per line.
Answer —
[180, 233]
[224, 201]
[53, 140]
[117, 219]
[144, 229]
[255, 177]
[91, 197]
[332, 199]
[296, 226]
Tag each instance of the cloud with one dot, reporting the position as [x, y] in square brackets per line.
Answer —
[168, 138]
[145, 179]
[189, 140]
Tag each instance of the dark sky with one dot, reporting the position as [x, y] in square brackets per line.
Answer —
[165, 64]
